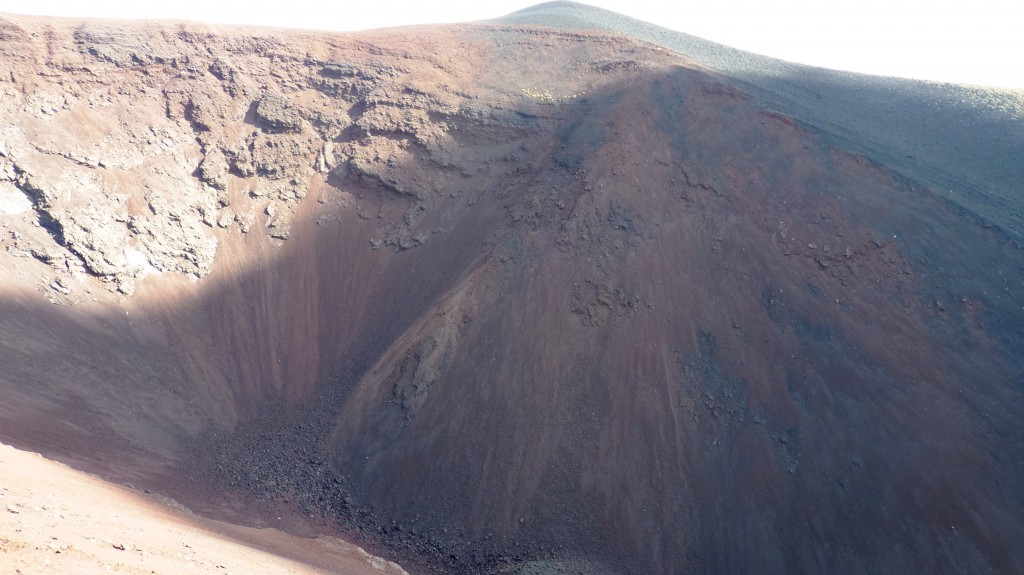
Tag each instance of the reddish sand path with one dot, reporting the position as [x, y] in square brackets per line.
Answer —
[54, 519]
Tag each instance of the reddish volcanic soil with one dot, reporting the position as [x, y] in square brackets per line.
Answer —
[501, 299]
[57, 520]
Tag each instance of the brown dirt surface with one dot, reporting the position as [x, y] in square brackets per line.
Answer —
[58, 520]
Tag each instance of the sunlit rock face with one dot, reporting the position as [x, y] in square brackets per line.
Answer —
[510, 298]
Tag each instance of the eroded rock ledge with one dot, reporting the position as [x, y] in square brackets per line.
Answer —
[128, 150]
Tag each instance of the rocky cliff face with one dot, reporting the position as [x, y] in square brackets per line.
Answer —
[139, 150]
[501, 299]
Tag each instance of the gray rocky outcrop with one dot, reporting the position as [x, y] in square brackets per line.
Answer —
[275, 114]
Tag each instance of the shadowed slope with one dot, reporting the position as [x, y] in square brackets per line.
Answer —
[964, 140]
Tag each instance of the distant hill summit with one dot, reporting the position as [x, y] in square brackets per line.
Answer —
[964, 140]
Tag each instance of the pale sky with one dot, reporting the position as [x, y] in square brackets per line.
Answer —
[977, 42]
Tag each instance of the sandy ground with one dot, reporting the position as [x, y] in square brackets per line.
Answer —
[54, 519]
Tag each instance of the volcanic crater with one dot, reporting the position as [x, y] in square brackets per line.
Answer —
[555, 293]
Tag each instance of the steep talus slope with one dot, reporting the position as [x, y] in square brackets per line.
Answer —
[503, 299]
[737, 349]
